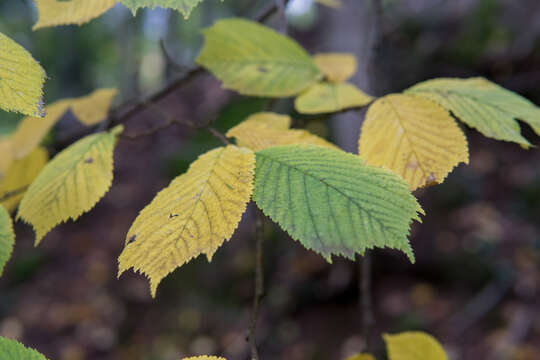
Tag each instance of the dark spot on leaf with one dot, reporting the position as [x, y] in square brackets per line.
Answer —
[89, 161]
[132, 239]
[171, 216]
[262, 69]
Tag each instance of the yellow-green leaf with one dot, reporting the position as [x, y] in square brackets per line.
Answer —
[13, 350]
[89, 109]
[184, 6]
[413, 345]
[336, 67]
[204, 357]
[483, 105]
[71, 183]
[21, 79]
[7, 238]
[331, 97]
[256, 60]
[414, 137]
[363, 356]
[265, 130]
[55, 12]
[194, 215]
[21, 174]
[6, 156]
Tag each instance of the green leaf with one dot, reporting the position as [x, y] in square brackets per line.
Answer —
[331, 202]
[70, 184]
[413, 345]
[256, 60]
[7, 237]
[21, 79]
[13, 350]
[184, 6]
[483, 105]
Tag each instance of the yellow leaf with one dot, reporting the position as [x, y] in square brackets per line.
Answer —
[362, 356]
[256, 60]
[330, 3]
[6, 156]
[413, 137]
[7, 237]
[194, 215]
[54, 12]
[337, 67]
[262, 131]
[89, 109]
[413, 345]
[272, 120]
[204, 357]
[71, 183]
[93, 108]
[330, 97]
[22, 173]
[21, 79]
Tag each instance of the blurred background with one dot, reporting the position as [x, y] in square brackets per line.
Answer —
[476, 282]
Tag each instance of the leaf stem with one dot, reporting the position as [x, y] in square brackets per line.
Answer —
[259, 283]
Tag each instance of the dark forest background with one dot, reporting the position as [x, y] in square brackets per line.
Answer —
[476, 282]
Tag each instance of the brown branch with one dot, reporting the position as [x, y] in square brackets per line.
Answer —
[259, 283]
[280, 5]
[129, 110]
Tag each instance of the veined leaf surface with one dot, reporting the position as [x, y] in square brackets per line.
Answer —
[330, 97]
[71, 183]
[89, 109]
[483, 105]
[21, 79]
[184, 6]
[256, 60]
[414, 137]
[21, 173]
[194, 215]
[264, 130]
[14, 350]
[331, 202]
[413, 345]
[78, 12]
[7, 238]
[336, 67]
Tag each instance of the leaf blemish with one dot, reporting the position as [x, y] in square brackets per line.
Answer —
[89, 160]
[132, 239]
[172, 216]
[262, 69]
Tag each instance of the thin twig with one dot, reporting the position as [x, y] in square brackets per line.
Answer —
[259, 283]
[280, 4]
[365, 303]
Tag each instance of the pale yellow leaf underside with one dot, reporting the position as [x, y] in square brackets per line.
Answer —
[260, 133]
[413, 345]
[270, 119]
[204, 357]
[336, 67]
[71, 183]
[54, 12]
[413, 137]
[330, 97]
[194, 215]
[21, 79]
[22, 173]
[89, 109]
